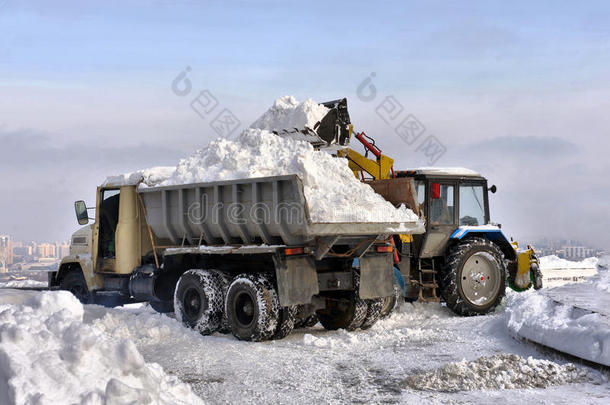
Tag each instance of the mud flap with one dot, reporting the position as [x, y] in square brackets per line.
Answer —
[376, 276]
[297, 280]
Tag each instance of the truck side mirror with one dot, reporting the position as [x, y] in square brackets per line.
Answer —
[81, 212]
[493, 189]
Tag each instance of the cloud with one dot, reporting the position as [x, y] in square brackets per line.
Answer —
[526, 146]
[41, 180]
[31, 151]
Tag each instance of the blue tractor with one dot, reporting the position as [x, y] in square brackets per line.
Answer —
[462, 258]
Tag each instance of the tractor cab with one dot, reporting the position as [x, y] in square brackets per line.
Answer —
[447, 199]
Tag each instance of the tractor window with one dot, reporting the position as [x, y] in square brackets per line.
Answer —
[420, 189]
[472, 205]
[441, 204]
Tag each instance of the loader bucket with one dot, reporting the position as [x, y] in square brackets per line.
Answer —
[334, 128]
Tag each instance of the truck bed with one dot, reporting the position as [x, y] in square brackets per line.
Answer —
[266, 210]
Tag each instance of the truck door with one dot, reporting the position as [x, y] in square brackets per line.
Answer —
[108, 222]
[440, 217]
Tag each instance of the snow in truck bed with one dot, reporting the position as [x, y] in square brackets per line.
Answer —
[332, 191]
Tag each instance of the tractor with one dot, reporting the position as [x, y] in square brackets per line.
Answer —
[463, 258]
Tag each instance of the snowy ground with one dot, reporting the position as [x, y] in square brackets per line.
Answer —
[317, 366]
[423, 354]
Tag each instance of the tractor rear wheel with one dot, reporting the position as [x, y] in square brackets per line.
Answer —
[199, 301]
[474, 277]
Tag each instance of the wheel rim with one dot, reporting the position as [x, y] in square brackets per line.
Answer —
[192, 303]
[480, 279]
[244, 309]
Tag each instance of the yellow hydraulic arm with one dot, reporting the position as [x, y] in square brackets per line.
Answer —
[380, 167]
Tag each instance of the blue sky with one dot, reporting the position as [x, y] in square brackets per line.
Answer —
[518, 90]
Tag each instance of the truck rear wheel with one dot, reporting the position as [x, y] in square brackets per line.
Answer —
[285, 323]
[198, 301]
[252, 307]
[391, 303]
[474, 277]
[373, 313]
[344, 313]
[74, 281]
[225, 280]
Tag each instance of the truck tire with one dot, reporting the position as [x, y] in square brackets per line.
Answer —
[225, 280]
[162, 307]
[74, 281]
[474, 277]
[373, 313]
[345, 314]
[285, 323]
[390, 304]
[310, 321]
[252, 307]
[198, 301]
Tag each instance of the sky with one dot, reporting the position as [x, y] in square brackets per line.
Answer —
[516, 90]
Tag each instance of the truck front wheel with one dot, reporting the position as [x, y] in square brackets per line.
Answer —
[252, 307]
[198, 300]
[74, 281]
[474, 277]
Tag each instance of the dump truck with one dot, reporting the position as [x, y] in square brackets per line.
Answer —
[239, 256]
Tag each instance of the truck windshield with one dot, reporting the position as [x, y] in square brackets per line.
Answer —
[472, 205]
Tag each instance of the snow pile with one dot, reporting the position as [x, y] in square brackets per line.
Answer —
[601, 280]
[455, 171]
[501, 371]
[554, 262]
[287, 114]
[24, 284]
[332, 192]
[48, 356]
[539, 318]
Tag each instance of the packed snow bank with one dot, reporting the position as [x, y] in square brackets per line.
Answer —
[576, 330]
[554, 262]
[48, 356]
[502, 371]
[287, 114]
[24, 284]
